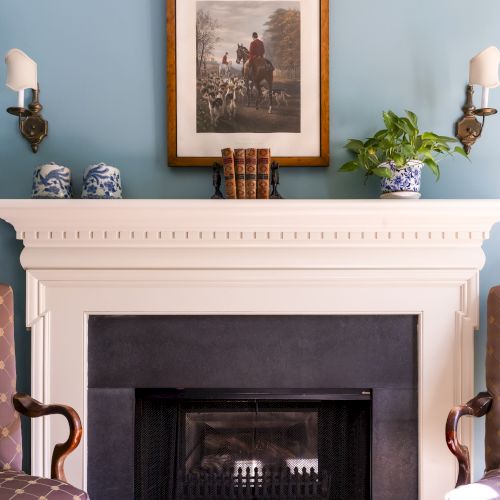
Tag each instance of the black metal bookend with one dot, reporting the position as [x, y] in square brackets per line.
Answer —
[217, 181]
[275, 180]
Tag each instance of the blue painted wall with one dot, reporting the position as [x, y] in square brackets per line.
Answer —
[102, 74]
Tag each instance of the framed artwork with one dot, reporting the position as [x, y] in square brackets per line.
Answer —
[248, 73]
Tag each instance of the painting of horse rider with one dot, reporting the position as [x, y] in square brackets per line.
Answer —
[248, 66]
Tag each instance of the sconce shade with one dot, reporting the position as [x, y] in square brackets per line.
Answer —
[21, 71]
[483, 68]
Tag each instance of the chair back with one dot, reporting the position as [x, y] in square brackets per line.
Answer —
[492, 438]
[10, 423]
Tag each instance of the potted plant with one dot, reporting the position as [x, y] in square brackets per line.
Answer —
[397, 154]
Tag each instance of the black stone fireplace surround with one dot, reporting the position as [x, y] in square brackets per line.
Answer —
[283, 353]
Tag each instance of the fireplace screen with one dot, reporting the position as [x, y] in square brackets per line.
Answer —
[191, 449]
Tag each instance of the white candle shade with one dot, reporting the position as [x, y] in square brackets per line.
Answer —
[483, 68]
[21, 71]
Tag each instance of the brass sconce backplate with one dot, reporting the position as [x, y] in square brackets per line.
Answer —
[31, 123]
[468, 127]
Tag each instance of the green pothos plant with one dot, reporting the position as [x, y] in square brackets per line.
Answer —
[398, 143]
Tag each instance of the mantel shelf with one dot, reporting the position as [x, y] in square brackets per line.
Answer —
[47, 218]
[419, 233]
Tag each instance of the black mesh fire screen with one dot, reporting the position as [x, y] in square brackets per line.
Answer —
[230, 447]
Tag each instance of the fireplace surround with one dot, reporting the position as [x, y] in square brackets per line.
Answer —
[329, 364]
[191, 257]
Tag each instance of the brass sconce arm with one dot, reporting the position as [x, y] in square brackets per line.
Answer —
[469, 128]
[31, 123]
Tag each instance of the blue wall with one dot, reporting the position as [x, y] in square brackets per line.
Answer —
[102, 74]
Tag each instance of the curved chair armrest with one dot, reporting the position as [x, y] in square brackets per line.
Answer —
[30, 407]
[476, 407]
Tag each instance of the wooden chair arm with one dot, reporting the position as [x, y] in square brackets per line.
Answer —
[476, 407]
[30, 407]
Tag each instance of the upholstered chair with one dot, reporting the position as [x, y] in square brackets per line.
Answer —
[485, 403]
[14, 483]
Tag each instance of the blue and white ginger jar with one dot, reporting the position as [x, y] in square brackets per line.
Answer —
[101, 181]
[51, 181]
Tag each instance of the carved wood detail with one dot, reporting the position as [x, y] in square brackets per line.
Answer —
[32, 408]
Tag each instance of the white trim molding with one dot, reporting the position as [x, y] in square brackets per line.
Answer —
[418, 257]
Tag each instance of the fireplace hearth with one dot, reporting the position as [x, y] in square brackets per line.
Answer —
[218, 445]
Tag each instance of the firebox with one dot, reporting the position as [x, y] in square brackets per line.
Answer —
[263, 444]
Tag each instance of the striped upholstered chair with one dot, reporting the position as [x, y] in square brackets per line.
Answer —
[485, 403]
[15, 484]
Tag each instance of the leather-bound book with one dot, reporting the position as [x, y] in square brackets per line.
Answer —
[250, 173]
[263, 163]
[228, 164]
[239, 171]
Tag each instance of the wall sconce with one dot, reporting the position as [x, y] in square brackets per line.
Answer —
[483, 71]
[22, 75]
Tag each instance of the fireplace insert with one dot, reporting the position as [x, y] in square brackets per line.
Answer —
[236, 444]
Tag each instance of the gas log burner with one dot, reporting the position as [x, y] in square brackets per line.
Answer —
[239, 444]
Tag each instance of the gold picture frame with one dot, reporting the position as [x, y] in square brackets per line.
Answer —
[177, 117]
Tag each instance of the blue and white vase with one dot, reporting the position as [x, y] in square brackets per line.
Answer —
[101, 181]
[404, 182]
[51, 181]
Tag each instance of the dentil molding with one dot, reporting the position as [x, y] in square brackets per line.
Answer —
[266, 233]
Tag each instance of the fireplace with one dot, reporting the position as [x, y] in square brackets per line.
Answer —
[226, 444]
[325, 407]
[251, 257]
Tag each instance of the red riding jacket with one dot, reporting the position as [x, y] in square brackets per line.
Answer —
[256, 49]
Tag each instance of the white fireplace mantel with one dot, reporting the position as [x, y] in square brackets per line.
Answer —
[417, 257]
[59, 233]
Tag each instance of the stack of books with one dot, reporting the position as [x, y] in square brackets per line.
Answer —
[246, 172]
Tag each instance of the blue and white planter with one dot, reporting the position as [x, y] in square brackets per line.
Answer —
[404, 182]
